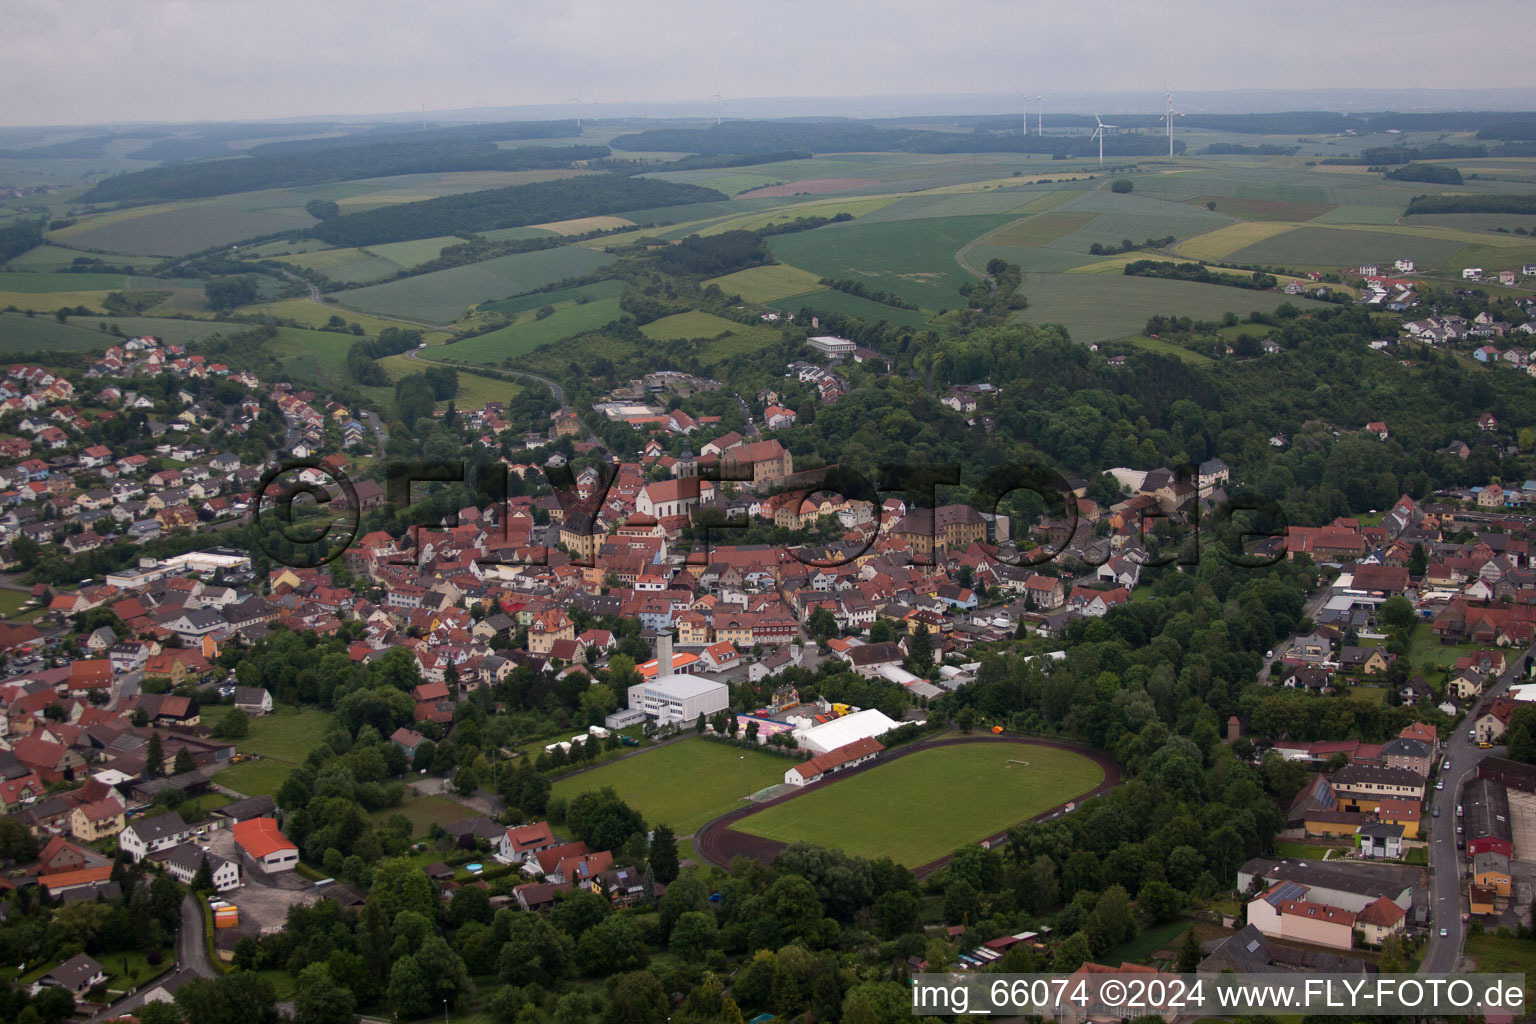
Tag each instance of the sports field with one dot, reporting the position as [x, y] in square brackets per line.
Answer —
[917, 808]
[682, 784]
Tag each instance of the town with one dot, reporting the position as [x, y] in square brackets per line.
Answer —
[659, 561]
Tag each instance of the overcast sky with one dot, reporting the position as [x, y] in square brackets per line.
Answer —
[94, 61]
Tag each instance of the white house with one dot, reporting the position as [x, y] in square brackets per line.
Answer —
[253, 700]
[182, 862]
[518, 843]
[151, 835]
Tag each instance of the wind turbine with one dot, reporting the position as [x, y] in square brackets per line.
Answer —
[719, 101]
[1099, 134]
[1169, 118]
[1024, 108]
[577, 100]
[1039, 115]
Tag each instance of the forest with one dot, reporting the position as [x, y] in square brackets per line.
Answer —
[512, 207]
[290, 169]
[1496, 203]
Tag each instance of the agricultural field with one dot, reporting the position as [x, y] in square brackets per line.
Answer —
[54, 257]
[912, 259]
[1097, 307]
[312, 357]
[528, 333]
[764, 284]
[20, 333]
[315, 314]
[1336, 247]
[689, 325]
[175, 229]
[443, 296]
[682, 784]
[959, 794]
[828, 300]
[533, 300]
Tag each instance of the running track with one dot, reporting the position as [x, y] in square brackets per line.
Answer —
[717, 842]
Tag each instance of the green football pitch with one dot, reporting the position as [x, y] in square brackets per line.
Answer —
[917, 808]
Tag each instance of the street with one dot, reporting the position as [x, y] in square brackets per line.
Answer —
[1443, 955]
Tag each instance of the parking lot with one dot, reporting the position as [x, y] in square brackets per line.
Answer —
[263, 899]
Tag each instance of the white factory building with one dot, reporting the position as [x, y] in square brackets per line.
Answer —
[676, 697]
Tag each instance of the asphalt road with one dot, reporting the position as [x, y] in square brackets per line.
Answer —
[1447, 867]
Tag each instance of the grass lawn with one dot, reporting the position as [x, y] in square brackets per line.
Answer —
[132, 969]
[1142, 947]
[288, 734]
[683, 784]
[255, 777]
[1301, 851]
[961, 794]
[1497, 955]
[283, 983]
[198, 808]
[11, 602]
[282, 739]
[425, 811]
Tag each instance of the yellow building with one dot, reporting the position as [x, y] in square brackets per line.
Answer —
[99, 820]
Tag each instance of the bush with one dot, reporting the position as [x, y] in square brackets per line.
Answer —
[1122, 185]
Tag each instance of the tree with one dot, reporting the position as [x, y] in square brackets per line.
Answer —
[1072, 953]
[158, 1012]
[1418, 561]
[224, 293]
[319, 1000]
[398, 885]
[821, 623]
[1190, 953]
[154, 757]
[242, 996]
[693, 935]
[1111, 922]
[234, 724]
[448, 979]
[53, 1003]
[202, 881]
[1122, 185]
[602, 820]
[610, 946]
[183, 762]
[663, 853]
[638, 998]
[897, 913]
[16, 841]
[921, 649]
[966, 719]
[876, 1002]
[409, 992]
[1158, 901]
[1396, 613]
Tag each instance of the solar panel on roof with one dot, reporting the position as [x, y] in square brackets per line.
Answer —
[1253, 946]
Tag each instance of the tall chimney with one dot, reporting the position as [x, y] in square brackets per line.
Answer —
[664, 654]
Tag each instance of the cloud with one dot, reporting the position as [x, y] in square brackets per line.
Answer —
[103, 60]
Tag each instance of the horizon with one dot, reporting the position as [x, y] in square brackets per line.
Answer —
[193, 63]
